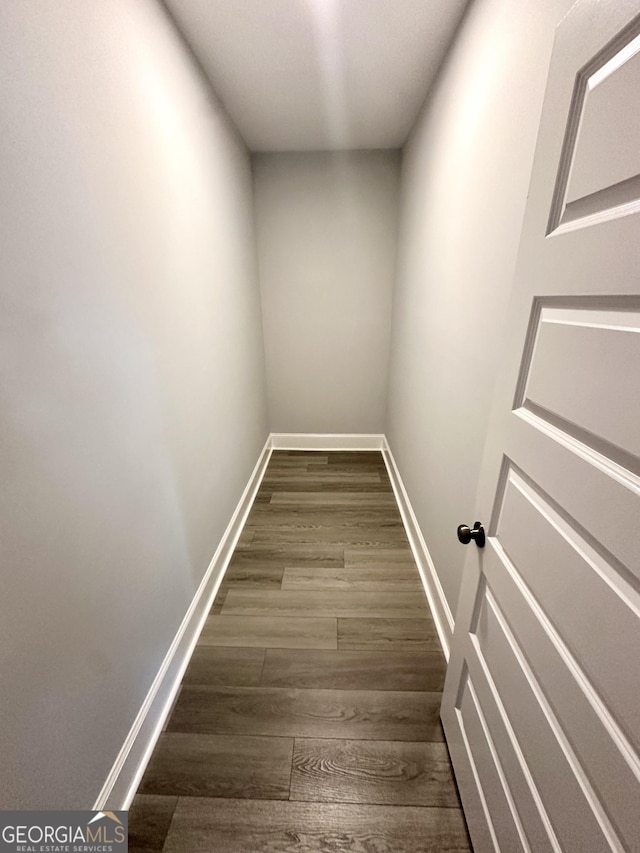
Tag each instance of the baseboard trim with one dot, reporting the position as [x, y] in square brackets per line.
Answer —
[326, 441]
[440, 609]
[128, 768]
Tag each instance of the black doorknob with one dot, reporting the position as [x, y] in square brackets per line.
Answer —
[466, 534]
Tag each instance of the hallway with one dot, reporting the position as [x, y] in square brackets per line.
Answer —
[308, 718]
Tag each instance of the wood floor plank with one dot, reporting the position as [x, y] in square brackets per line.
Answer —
[315, 486]
[280, 553]
[343, 537]
[299, 454]
[327, 499]
[149, 820]
[295, 463]
[352, 468]
[387, 511]
[244, 540]
[304, 458]
[215, 665]
[341, 457]
[236, 826]
[265, 632]
[219, 599]
[350, 533]
[320, 477]
[326, 603]
[399, 578]
[384, 772]
[353, 670]
[173, 705]
[279, 517]
[204, 765]
[245, 573]
[379, 556]
[288, 712]
[383, 634]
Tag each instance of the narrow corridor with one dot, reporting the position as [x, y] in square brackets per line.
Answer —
[308, 719]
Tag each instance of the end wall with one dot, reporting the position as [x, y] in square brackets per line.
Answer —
[465, 175]
[133, 404]
[326, 228]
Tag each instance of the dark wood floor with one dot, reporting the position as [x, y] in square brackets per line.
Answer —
[308, 719]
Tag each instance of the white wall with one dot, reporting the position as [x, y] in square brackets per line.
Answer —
[326, 227]
[465, 176]
[133, 405]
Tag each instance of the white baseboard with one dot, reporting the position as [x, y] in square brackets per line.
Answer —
[326, 441]
[126, 773]
[440, 609]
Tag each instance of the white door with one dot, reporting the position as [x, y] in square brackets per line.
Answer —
[541, 705]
